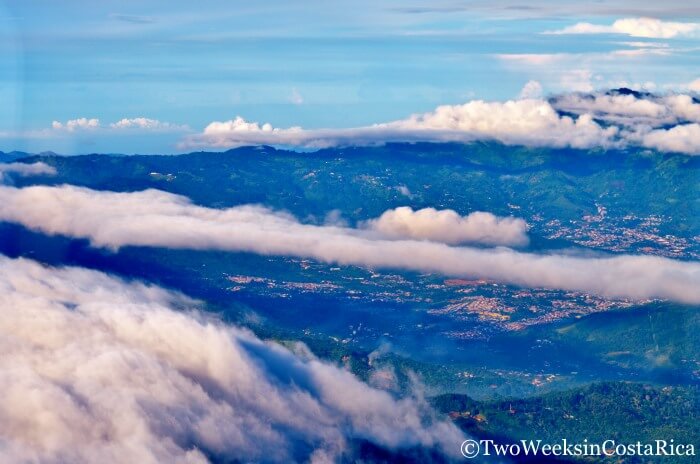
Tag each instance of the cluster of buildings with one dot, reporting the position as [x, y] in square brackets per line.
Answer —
[626, 234]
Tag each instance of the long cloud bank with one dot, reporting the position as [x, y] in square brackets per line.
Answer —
[614, 119]
[95, 369]
[160, 219]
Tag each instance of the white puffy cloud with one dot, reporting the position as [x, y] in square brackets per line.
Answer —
[528, 122]
[447, 226]
[683, 107]
[616, 107]
[628, 109]
[635, 27]
[571, 119]
[664, 123]
[684, 138]
[694, 85]
[238, 131]
[26, 169]
[95, 369]
[582, 119]
[76, 124]
[160, 219]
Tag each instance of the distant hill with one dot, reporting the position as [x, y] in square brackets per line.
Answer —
[13, 156]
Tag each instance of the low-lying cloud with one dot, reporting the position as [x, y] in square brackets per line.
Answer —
[25, 170]
[447, 226]
[614, 119]
[631, 109]
[684, 138]
[95, 369]
[159, 219]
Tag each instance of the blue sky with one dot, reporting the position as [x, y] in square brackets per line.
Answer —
[316, 64]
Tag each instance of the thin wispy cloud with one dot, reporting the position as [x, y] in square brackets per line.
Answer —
[534, 59]
[296, 97]
[515, 9]
[134, 19]
[588, 71]
[635, 27]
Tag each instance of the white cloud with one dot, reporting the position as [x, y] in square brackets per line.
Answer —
[582, 119]
[98, 370]
[630, 110]
[646, 44]
[76, 124]
[160, 219]
[583, 28]
[586, 71]
[612, 105]
[528, 122]
[146, 124]
[694, 86]
[683, 107]
[640, 52]
[447, 226]
[644, 119]
[565, 61]
[242, 132]
[635, 27]
[684, 138]
[26, 169]
[532, 89]
[139, 123]
[534, 59]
